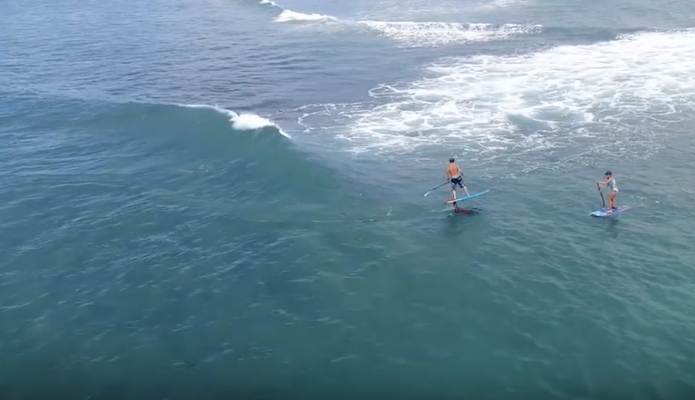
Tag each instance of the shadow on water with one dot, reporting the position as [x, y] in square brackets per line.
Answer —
[464, 212]
[457, 222]
[467, 211]
[612, 227]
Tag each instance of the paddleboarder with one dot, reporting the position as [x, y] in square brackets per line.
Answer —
[610, 181]
[453, 174]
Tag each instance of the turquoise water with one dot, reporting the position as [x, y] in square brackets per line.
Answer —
[225, 198]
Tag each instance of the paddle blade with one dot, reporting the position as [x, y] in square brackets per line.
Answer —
[435, 188]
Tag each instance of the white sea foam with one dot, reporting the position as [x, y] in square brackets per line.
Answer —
[292, 16]
[490, 105]
[241, 121]
[416, 34]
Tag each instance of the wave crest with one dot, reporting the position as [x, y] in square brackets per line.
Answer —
[292, 16]
[242, 121]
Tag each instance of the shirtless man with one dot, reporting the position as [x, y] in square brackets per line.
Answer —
[453, 174]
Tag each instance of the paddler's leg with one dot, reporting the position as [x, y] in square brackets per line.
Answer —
[462, 185]
[611, 199]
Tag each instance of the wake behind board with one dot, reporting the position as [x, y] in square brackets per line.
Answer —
[604, 213]
[464, 198]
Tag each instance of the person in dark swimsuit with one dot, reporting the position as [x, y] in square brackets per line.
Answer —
[454, 175]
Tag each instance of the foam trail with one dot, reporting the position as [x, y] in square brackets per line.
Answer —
[292, 16]
[242, 121]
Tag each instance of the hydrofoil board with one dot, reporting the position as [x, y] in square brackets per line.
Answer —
[464, 198]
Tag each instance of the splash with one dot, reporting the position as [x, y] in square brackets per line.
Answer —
[242, 121]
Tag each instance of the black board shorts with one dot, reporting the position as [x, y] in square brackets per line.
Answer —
[457, 181]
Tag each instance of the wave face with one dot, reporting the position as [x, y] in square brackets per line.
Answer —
[244, 152]
[231, 194]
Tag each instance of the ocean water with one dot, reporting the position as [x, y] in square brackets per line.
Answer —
[224, 199]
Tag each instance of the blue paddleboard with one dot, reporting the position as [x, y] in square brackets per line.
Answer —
[604, 213]
[464, 198]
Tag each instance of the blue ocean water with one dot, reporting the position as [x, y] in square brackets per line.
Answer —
[224, 198]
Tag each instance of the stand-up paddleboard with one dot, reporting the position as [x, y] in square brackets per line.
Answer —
[605, 213]
[464, 198]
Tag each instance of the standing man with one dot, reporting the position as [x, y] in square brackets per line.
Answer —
[453, 174]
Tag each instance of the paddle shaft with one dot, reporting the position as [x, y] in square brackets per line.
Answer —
[435, 188]
[601, 193]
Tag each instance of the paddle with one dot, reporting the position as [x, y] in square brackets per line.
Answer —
[601, 193]
[435, 188]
